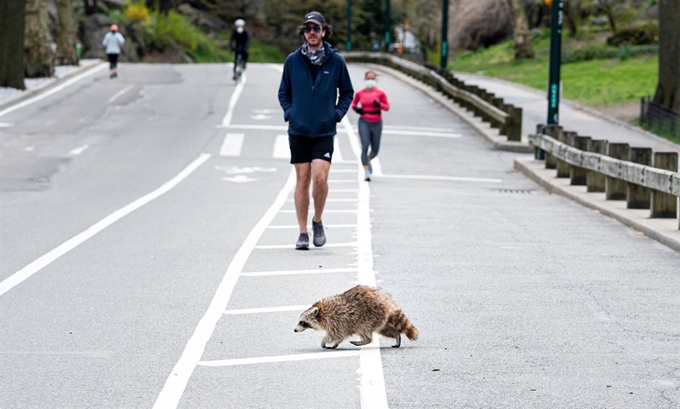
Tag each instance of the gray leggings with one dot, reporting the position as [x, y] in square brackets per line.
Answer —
[369, 132]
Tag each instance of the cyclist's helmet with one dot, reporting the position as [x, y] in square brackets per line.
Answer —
[239, 23]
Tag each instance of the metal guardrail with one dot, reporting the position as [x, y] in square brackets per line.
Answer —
[506, 117]
[645, 179]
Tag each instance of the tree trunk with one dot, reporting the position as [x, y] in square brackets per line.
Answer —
[572, 12]
[523, 48]
[38, 61]
[12, 14]
[66, 34]
[668, 88]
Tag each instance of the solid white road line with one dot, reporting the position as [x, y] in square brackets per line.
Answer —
[343, 180]
[448, 178]
[329, 200]
[373, 394]
[282, 358]
[78, 151]
[6, 125]
[120, 93]
[344, 190]
[329, 226]
[177, 380]
[232, 145]
[421, 133]
[337, 153]
[234, 99]
[266, 310]
[26, 272]
[281, 149]
[298, 272]
[326, 211]
[290, 246]
[377, 167]
[53, 90]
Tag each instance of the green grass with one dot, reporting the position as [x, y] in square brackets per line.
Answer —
[594, 82]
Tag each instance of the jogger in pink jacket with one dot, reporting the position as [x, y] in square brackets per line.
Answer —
[369, 103]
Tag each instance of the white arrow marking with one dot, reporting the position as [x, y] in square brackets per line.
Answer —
[240, 179]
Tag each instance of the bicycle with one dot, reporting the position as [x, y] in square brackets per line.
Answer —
[238, 67]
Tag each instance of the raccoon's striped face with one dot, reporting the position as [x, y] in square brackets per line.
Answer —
[307, 320]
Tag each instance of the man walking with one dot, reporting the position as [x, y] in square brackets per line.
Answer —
[315, 94]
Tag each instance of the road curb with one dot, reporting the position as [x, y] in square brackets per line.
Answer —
[661, 230]
[46, 86]
[483, 129]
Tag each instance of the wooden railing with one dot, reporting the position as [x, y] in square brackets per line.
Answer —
[507, 118]
[643, 178]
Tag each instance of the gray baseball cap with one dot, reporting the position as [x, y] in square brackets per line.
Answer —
[314, 17]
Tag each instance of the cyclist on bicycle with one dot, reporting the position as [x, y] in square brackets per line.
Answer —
[240, 43]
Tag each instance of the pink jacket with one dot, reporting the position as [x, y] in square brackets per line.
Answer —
[365, 98]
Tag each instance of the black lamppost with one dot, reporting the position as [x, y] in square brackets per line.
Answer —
[445, 34]
[555, 62]
[348, 46]
[388, 23]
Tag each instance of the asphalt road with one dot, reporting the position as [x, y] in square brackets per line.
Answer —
[147, 234]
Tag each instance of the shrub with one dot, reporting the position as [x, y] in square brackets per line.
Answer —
[138, 13]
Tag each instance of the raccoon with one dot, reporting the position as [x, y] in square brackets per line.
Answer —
[360, 310]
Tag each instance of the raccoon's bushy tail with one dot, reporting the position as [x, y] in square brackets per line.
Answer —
[399, 321]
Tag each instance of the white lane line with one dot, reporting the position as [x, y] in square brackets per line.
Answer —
[78, 151]
[281, 148]
[377, 167]
[416, 128]
[337, 153]
[290, 246]
[37, 265]
[295, 226]
[373, 394]
[333, 171]
[342, 180]
[344, 190]
[298, 272]
[120, 93]
[266, 310]
[226, 121]
[256, 127]
[177, 380]
[53, 90]
[330, 200]
[447, 178]
[6, 125]
[420, 133]
[326, 211]
[282, 358]
[232, 145]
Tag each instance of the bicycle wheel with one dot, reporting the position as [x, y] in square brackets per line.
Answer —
[238, 67]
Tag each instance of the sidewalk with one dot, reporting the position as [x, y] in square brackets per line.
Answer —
[573, 117]
[9, 96]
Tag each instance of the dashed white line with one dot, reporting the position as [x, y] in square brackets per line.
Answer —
[290, 246]
[281, 148]
[266, 310]
[299, 272]
[78, 151]
[120, 93]
[447, 178]
[232, 145]
[26, 272]
[226, 121]
[282, 358]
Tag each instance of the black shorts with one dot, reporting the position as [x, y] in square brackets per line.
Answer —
[304, 149]
[113, 60]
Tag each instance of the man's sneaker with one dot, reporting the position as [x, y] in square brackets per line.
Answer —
[319, 236]
[303, 242]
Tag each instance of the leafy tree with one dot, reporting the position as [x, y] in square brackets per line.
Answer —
[38, 60]
[66, 33]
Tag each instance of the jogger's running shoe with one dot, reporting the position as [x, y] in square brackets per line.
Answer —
[319, 235]
[303, 242]
[370, 168]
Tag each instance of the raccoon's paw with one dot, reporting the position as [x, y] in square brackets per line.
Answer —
[359, 343]
[330, 346]
[398, 344]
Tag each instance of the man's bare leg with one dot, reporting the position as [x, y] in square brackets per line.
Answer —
[303, 173]
[320, 170]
